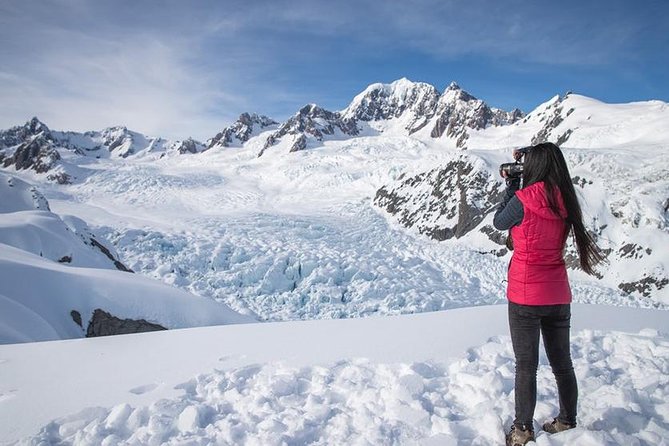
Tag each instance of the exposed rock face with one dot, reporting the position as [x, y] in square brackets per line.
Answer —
[189, 146]
[24, 133]
[314, 122]
[118, 139]
[417, 101]
[31, 146]
[37, 154]
[551, 117]
[117, 263]
[458, 111]
[445, 202]
[246, 126]
[451, 114]
[104, 324]
[645, 286]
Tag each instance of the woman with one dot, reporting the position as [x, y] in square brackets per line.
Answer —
[540, 217]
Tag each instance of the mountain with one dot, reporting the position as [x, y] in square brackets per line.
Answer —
[444, 202]
[416, 106]
[31, 146]
[457, 113]
[401, 107]
[416, 102]
[311, 123]
[378, 151]
[246, 127]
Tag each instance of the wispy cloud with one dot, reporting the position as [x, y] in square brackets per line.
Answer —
[187, 68]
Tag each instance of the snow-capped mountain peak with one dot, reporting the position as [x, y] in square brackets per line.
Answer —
[388, 101]
[247, 126]
[311, 122]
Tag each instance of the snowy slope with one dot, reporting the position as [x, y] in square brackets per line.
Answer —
[52, 265]
[37, 296]
[576, 121]
[436, 378]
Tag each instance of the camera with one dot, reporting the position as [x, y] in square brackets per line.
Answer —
[515, 169]
[512, 170]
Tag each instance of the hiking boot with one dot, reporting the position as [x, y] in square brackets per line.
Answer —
[519, 435]
[556, 426]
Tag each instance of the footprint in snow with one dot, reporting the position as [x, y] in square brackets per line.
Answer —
[7, 395]
[140, 390]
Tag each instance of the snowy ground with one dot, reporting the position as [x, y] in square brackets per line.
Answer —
[435, 378]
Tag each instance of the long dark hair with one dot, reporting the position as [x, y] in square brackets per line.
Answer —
[545, 162]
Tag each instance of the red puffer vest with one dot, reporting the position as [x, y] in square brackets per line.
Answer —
[537, 273]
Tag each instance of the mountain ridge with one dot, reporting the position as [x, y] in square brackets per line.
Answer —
[404, 107]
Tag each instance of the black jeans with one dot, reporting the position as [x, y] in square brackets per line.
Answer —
[525, 322]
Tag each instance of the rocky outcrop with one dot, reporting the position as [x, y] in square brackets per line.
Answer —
[31, 146]
[644, 286]
[117, 139]
[37, 154]
[105, 324]
[246, 126]
[189, 146]
[445, 202]
[311, 122]
[551, 117]
[24, 133]
[117, 263]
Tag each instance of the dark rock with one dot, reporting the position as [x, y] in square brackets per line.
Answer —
[242, 130]
[400, 98]
[60, 178]
[458, 112]
[552, 119]
[76, 317]
[494, 235]
[189, 146]
[443, 203]
[25, 133]
[644, 286]
[65, 259]
[580, 182]
[311, 121]
[300, 143]
[104, 324]
[37, 154]
[120, 266]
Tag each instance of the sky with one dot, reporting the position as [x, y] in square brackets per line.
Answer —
[189, 68]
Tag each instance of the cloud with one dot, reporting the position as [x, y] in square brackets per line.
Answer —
[178, 68]
[78, 79]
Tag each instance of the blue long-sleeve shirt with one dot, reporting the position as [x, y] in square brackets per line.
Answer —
[510, 211]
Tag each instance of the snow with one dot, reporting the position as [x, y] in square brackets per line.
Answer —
[38, 294]
[433, 378]
[291, 236]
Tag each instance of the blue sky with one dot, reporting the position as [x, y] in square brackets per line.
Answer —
[188, 68]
